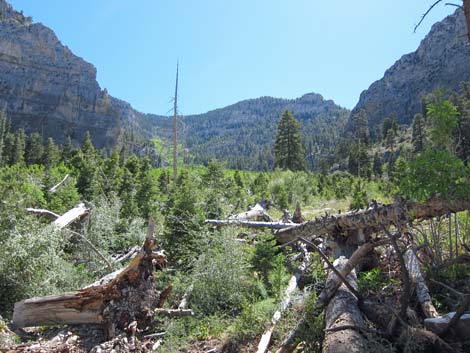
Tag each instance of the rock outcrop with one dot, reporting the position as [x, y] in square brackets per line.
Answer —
[441, 61]
[45, 87]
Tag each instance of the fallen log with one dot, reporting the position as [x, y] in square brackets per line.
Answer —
[71, 216]
[256, 213]
[422, 291]
[115, 301]
[174, 312]
[249, 224]
[341, 314]
[372, 219]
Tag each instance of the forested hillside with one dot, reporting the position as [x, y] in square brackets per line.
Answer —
[243, 134]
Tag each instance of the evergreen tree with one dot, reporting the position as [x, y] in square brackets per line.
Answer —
[442, 116]
[463, 124]
[19, 147]
[359, 161]
[51, 154]
[377, 166]
[3, 131]
[418, 138]
[34, 149]
[288, 149]
[361, 129]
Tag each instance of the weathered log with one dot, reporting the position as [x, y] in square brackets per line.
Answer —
[372, 220]
[256, 213]
[422, 291]
[115, 301]
[343, 311]
[174, 312]
[335, 282]
[249, 224]
[71, 216]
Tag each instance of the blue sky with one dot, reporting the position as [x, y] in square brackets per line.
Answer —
[230, 50]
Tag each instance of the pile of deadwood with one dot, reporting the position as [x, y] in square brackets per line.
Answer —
[115, 314]
[352, 239]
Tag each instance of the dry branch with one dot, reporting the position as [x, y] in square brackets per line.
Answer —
[256, 213]
[42, 212]
[373, 219]
[422, 291]
[54, 188]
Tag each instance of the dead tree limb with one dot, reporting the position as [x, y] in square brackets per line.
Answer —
[71, 216]
[422, 291]
[372, 220]
[42, 212]
[463, 306]
[115, 301]
[94, 248]
[55, 187]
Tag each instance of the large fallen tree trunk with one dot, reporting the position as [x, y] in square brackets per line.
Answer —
[343, 319]
[115, 301]
[372, 219]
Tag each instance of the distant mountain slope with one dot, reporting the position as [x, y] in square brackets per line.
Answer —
[441, 61]
[45, 87]
[242, 134]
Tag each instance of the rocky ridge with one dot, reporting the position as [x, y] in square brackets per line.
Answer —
[442, 60]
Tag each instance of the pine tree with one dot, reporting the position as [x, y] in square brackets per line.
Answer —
[418, 138]
[19, 147]
[3, 131]
[34, 149]
[51, 154]
[377, 166]
[463, 125]
[288, 149]
[360, 127]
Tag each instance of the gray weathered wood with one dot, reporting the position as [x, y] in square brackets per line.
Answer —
[71, 216]
[343, 311]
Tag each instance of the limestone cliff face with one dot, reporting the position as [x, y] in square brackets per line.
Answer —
[45, 87]
[441, 61]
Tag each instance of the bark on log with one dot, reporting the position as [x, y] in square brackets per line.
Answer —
[115, 301]
[372, 219]
[249, 224]
[70, 216]
[422, 291]
[343, 311]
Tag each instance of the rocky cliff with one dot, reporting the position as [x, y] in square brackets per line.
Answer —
[441, 61]
[45, 87]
